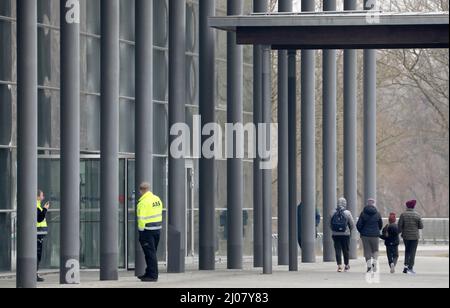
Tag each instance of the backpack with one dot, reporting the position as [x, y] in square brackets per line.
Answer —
[339, 222]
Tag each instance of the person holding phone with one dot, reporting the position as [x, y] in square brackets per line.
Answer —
[42, 227]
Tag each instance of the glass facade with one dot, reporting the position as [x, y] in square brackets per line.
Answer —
[49, 127]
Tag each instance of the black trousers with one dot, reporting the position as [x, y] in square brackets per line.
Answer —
[40, 243]
[392, 254]
[342, 247]
[410, 253]
[149, 241]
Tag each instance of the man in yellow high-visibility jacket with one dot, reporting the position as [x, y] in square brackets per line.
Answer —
[149, 217]
[42, 227]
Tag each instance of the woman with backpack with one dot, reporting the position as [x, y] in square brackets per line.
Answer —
[391, 237]
[369, 226]
[342, 226]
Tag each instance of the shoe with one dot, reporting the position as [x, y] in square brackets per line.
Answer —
[347, 268]
[340, 269]
[369, 266]
[405, 271]
[411, 272]
[39, 279]
[148, 279]
[141, 277]
[392, 268]
[375, 267]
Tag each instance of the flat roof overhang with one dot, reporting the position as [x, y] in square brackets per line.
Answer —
[339, 30]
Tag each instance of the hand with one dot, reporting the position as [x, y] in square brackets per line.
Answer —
[47, 206]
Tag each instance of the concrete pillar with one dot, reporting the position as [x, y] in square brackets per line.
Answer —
[370, 118]
[177, 114]
[27, 124]
[350, 133]
[208, 171]
[258, 7]
[70, 143]
[292, 98]
[144, 109]
[283, 149]
[329, 144]
[109, 178]
[235, 194]
[267, 173]
[308, 150]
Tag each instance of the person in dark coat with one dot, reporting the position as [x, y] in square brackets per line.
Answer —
[391, 238]
[409, 225]
[369, 226]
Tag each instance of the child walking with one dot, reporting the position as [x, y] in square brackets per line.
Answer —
[391, 237]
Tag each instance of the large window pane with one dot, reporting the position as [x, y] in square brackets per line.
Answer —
[5, 114]
[127, 75]
[160, 75]
[49, 183]
[90, 64]
[5, 8]
[6, 54]
[49, 133]
[5, 180]
[48, 57]
[160, 129]
[48, 12]
[90, 213]
[127, 24]
[192, 80]
[191, 27]
[5, 239]
[90, 123]
[160, 23]
[127, 126]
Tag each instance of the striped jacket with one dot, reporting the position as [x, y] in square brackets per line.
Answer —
[409, 225]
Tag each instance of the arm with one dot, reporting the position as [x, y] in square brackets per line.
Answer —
[400, 224]
[360, 224]
[380, 222]
[41, 215]
[351, 221]
[385, 233]
[421, 227]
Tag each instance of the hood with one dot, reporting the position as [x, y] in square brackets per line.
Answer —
[370, 210]
[342, 204]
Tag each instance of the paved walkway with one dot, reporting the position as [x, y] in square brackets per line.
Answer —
[433, 272]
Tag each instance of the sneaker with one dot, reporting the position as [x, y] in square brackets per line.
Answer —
[340, 269]
[148, 279]
[375, 267]
[411, 272]
[39, 279]
[347, 268]
[392, 268]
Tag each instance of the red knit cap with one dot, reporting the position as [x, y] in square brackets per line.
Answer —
[411, 204]
[392, 218]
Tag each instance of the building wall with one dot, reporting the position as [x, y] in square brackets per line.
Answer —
[49, 124]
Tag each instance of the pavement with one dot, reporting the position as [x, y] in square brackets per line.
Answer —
[432, 272]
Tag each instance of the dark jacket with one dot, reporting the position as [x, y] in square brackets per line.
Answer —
[409, 225]
[370, 222]
[390, 235]
[41, 215]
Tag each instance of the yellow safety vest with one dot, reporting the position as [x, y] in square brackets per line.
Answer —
[149, 212]
[42, 227]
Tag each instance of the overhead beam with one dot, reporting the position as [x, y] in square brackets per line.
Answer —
[347, 37]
